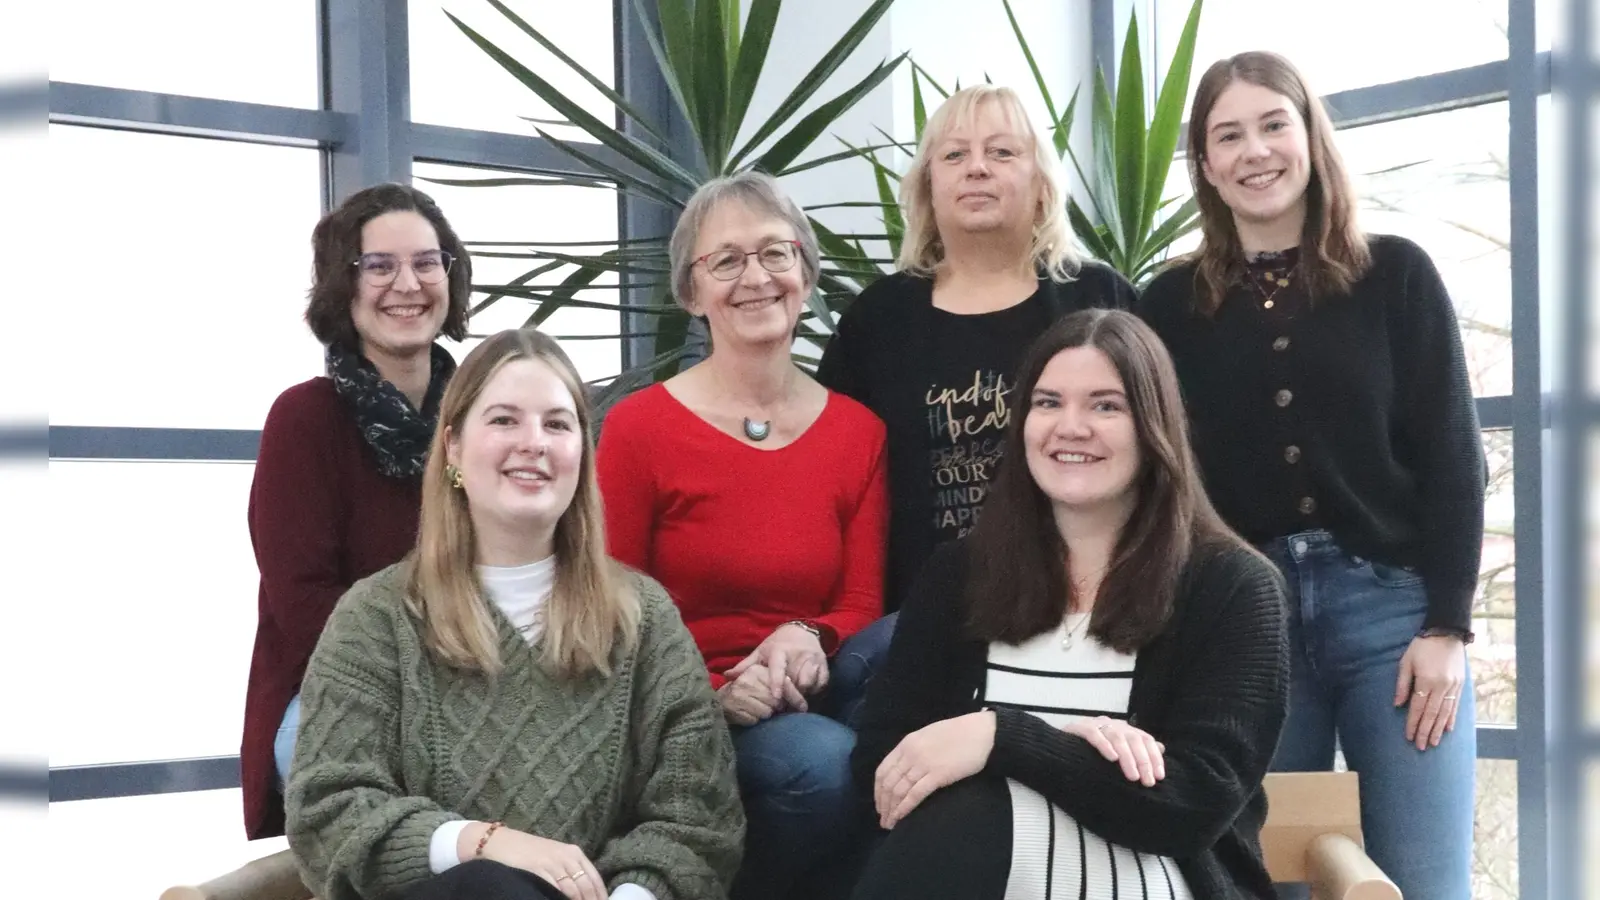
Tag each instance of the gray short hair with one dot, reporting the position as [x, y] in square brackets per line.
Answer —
[756, 190]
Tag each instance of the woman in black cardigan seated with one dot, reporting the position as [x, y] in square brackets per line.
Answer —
[1082, 695]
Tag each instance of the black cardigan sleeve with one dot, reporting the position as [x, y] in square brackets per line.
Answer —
[914, 686]
[1439, 420]
[1228, 704]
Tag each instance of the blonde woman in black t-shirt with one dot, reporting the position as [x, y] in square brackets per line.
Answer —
[1325, 379]
[988, 263]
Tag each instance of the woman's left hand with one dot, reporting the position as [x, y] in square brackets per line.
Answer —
[1433, 673]
[929, 759]
[792, 652]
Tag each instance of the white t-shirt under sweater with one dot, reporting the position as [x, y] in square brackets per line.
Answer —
[1062, 676]
[519, 592]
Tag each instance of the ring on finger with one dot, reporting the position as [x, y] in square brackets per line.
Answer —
[1449, 696]
[578, 874]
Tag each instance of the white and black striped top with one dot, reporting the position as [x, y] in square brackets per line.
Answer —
[1062, 679]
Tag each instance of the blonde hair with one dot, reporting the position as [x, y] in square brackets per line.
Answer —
[1054, 248]
[591, 606]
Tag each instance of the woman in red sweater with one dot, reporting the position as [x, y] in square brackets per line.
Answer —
[757, 497]
[337, 481]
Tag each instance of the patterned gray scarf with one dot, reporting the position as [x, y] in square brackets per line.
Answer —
[397, 433]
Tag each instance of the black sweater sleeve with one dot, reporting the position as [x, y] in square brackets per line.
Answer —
[1439, 420]
[914, 686]
[1228, 704]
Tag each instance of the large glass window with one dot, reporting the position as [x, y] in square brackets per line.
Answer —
[1354, 44]
[453, 82]
[1444, 181]
[1494, 653]
[533, 214]
[180, 268]
[1494, 857]
[259, 52]
[158, 588]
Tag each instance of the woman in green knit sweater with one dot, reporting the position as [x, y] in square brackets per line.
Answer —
[507, 714]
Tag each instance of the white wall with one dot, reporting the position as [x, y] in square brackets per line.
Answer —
[951, 39]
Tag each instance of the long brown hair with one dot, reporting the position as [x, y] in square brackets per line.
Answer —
[1018, 586]
[1333, 249]
[591, 606]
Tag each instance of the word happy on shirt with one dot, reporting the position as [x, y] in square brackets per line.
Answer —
[966, 427]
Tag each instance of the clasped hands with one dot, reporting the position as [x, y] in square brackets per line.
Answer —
[950, 750]
[778, 675]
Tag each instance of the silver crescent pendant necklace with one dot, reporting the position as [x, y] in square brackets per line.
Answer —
[757, 431]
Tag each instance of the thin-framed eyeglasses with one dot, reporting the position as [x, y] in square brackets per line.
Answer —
[381, 269]
[726, 265]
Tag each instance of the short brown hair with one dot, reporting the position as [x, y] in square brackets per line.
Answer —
[336, 244]
[1018, 586]
[1333, 249]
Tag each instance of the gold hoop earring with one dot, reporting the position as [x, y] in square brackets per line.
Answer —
[453, 476]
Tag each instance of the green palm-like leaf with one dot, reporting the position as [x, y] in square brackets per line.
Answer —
[814, 80]
[1129, 131]
[711, 81]
[919, 112]
[1104, 186]
[806, 132]
[1167, 123]
[603, 87]
[752, 58]
[635, 151]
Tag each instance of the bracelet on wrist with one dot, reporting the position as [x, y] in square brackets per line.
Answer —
[483, 841]
[801, 623]
[1461, 634]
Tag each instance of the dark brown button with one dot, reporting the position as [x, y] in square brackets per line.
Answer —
[1282, 398]
[1307, 506]
[1281, 344]
[1291, 454]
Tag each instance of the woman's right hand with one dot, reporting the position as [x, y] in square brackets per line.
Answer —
[1139, 754]
[563, 865]
[748, 699]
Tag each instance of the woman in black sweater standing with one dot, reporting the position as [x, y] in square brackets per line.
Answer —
[1083, 695]
[987, 264]
[1335, 425]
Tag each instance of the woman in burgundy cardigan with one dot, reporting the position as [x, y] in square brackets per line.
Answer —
[337, 480]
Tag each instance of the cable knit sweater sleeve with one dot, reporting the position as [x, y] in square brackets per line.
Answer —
[355, 831]
[688, 825]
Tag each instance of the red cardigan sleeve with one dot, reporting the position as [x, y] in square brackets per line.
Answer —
[628, 486]
[858, 602]
[294, 520]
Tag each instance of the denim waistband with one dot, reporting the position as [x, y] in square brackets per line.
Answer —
[1303, 545]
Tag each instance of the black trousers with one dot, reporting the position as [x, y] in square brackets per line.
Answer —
[482, 879]
[955, 846]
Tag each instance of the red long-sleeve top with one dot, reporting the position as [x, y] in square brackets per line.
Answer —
[746, 539]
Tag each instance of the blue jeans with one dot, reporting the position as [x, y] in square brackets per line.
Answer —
[794, 776]
[283, 744]
[1350, 621]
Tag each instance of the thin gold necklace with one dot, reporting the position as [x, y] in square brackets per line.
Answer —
[1281, 282]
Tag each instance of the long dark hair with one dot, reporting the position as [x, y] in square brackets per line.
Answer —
[1018, 586]
[1333, 249]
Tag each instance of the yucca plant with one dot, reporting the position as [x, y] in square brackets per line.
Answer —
[711, 63]
[1133, 155]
